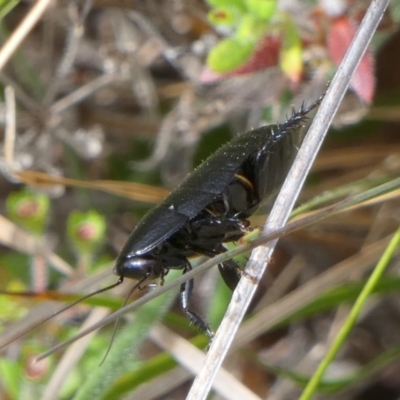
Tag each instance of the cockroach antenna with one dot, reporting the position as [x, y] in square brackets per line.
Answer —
[120, 280]
[137, 286]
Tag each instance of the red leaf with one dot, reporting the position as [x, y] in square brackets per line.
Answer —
[339, 39]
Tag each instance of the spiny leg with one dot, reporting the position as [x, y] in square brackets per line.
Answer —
[186, 290]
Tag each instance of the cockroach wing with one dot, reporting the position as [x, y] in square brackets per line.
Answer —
[198, 190]
[157, 225]
[268, 169]
[183, 204]
[262, 149]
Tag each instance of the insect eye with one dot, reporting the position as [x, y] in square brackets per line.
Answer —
[136, 267]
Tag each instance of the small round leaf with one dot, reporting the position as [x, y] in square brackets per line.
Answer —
[229, 54]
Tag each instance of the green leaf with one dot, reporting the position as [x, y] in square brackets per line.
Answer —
[240, 4]
[264, 9]
[251, 29]
[229, 54]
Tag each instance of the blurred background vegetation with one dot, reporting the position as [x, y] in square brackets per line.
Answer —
[116, 102]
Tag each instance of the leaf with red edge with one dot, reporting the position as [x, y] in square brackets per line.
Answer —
[339, 39]
[228, 54]
[264, 55]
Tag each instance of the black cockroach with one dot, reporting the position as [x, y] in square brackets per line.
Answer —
[211, 208]
[208, 209]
